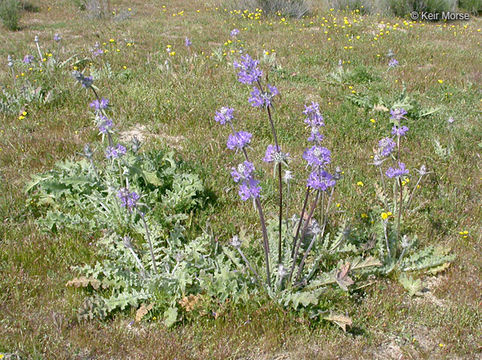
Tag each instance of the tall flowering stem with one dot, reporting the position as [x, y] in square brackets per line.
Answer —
[243, 174]
[249, 73]
[295, 245]
[263, 230]
[303, 233]
[260, 99]
[36, 39]
[10, 65]
[399, 131]
[422, 172]
[317, 157]
[280, 186]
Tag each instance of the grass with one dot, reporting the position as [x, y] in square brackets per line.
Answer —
[38, 312]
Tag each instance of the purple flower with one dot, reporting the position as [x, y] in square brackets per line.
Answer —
[386, 146]
[317, 156]
[105, 124]
[187, 42]
[313, 115]
[272, 155]
[320, 180]
[113, 152]
[259, 98]
[396, 172]
[392, 63]
[97, 52]
[269, 155]
[57, 37]
[315, 135]
[27, 59]
[397, 114]
[451, 120]
[224, 115]
[234, 33]
[87, 81]
[248, 70]
[239, 140]
[128, 199]
[249, 189]
[100, 105]
[399, 131]
[243, 172]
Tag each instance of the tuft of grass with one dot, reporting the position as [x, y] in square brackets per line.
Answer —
[10, 14]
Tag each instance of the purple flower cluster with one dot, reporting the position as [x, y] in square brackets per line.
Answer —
[187, 42]
[101, 104]
[399, 130]
[27, 59]
[259, 98]
[397, 172]
[248, 70]
[271, 155]
[239, 140]
[393, 63]
[320, 180]
[105, 124]
[315, 121]
[317, 156]
[386, 146]
[114, 152]
[57, 37]
[85, 81]
[243, 172]
[397, 114]
[128, 199]
[249, 187]
[97, 51]
[224, 115]
[313, 115]
[234, 33]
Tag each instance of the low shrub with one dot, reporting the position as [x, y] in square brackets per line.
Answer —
[402, 8]
[472, 6]
[289, 8]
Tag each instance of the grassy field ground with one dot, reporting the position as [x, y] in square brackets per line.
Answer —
[439, 66]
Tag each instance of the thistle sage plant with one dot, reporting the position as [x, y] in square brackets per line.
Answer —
[319, 182]
[389, 148]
